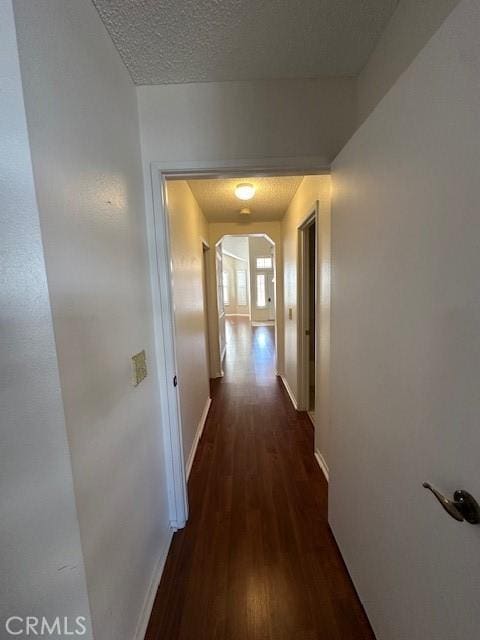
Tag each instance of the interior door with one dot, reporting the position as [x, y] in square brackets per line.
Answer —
[405, 366]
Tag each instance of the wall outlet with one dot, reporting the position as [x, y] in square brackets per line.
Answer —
[139, 366]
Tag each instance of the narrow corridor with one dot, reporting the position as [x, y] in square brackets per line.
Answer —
[257, 559]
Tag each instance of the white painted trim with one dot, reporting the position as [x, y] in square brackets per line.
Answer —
[266, 323]
[289, 391]
[146, 611]
[311, 415]
[164, 325]
[275, 166]
[206, 279]
[322, 464]
[234, 315]
[198, 435]
[224, 351]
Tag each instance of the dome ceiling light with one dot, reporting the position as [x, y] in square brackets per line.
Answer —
[244, 191]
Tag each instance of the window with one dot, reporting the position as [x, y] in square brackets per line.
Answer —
[264, 263]
[241, 287]
[261, 299]
[226, 297]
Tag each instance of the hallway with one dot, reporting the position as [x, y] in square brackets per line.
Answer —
[257, 559]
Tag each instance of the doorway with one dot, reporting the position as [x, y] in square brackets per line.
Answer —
[307, 321]
[206, 280]
[262, 280]
[220, 289]
[171, 353]
[245, 281]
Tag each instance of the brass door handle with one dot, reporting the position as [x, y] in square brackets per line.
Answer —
[462, 507]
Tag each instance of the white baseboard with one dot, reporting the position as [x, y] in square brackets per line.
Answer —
[146, 612]
[322, 464]
[198, 435]
[289, 391]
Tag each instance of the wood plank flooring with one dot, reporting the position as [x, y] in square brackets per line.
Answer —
[257, 560]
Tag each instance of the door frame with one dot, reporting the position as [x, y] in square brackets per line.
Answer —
[206, 318]
[158, 237]
[303, 373]
[220, 297]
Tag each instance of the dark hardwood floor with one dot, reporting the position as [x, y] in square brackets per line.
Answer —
[257, 560]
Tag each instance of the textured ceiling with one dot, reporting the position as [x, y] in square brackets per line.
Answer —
[170, 41]
[219, 203]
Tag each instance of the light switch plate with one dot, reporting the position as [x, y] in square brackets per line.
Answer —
[139, 364]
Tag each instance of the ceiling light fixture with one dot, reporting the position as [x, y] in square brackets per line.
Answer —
[245, 191]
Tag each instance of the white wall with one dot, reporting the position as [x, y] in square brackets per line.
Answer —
[311, 189]
[83, 125]
[273, 229]
[409, 29]
[41, 563]
[188, 228]
[405, 348]
[245, 120]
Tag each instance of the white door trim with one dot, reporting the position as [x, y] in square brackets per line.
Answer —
[166, 357]
[306, 165]
[161, 279]
[206, 318]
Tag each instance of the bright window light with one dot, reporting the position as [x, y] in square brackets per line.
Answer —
[264, 263]
[261, 298]
[241, 287]
[226, 292]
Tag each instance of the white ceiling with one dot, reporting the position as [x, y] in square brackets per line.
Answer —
[172, 41]
[236, 245]
[218, 202]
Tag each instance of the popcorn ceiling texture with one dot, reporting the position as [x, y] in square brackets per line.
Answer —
[176, 41]
[219, 203]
